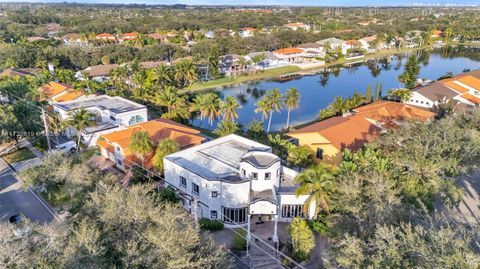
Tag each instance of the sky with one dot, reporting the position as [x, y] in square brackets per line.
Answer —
[275, 2]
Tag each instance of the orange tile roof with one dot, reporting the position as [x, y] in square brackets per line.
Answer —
[295, 24]
[471, 98]
[352, 42]
[130, 35]
[437, 32]
[69, 96]
[248, 29]
[53, 88]
[369, 38]
[344, 132]
[454, 86]
[158, 129]
[389, 112]
[107, 35]
[470, 81]
[288, 51]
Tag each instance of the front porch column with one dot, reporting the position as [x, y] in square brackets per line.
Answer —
[275, 235]
[249, 236]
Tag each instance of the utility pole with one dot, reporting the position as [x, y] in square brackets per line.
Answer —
[47, 132]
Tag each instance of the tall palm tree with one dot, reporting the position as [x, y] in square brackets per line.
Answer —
[141, 145]
[199, 104]
[275, 100]
[318, 183]
[339, 105]
[292, 101]
[229, 108]
[80, 119]
[164, 75]
[167, 98]
[263, 107]
[186, 72]
[212, 107]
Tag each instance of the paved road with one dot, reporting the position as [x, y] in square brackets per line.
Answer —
[14, 199]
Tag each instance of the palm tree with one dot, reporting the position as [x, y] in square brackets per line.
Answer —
[229, 108]
[339, 105]
[164, 75]
[55, 124]
[226, 127]
[292, 101]
[141, 145]
[186, 72]
[402, 93]
[212, 107]
[167, 98]
[164, 148]
[80, 119]
[271, 102]
[318, 183]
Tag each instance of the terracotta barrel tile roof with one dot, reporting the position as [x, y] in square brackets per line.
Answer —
[288, 51]
[53, 88]
[471, 98]
[470, 81]
[452, 85]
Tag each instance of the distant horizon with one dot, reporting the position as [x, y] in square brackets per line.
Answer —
[254, 3]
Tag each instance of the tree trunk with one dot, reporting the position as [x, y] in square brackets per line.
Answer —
[78, 141]
[288, 119]
[269, 122]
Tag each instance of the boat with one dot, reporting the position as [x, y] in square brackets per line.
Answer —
[287, 77]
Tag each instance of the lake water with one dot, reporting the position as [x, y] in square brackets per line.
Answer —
[319, 90]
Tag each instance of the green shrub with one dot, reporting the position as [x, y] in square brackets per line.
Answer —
[169, 195]
[240, 240]
[211, 225]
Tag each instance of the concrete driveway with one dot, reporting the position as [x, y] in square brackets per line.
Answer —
[14, 199]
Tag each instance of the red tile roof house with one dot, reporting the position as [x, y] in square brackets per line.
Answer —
[289, 55]
[105, 37]
[128, 36]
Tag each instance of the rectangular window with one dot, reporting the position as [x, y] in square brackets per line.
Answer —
[195, 188]
[255, 175]
[319, 154]
[244, 173]
[292, 211]
[213, 214]
[234, 215]
[112, 118]
[183, 182]
[267, 176]
[214, 194]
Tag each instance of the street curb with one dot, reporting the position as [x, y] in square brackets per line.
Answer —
[43, 202]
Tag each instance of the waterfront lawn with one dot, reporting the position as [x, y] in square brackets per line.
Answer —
[269, 73]
[20, 155]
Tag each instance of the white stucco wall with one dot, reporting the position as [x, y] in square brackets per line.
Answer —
[420, 100]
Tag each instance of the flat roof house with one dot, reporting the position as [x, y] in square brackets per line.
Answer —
[330, 137]
[289, 55]
[233, 179]
[110, 114]
[115, 146]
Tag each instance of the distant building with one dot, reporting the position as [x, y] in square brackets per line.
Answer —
[295, 26]
[333, 44]
[246, 32]
[74, 40]
[110, 114]
[128, 36]
[32, 39]
[269, 59]
[105, 37]
[59, 92]
[312, 50]
[234, 180]
[97, 72]
[20, 72]
[289, 55]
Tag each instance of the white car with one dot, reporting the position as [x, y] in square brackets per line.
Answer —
[67, 147]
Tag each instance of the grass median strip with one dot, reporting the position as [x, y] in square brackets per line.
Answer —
[20, 155]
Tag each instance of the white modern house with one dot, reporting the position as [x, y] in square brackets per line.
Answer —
[233, 179]
[110, 114]
[333, 44]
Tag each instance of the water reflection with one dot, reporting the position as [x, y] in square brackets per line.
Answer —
[319, 90]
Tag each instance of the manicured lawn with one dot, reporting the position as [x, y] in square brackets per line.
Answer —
[269, 73]
[88, 153]
[22, 154]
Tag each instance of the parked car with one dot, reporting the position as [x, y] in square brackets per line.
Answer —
[67, 147]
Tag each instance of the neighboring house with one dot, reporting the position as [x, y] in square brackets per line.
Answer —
[463, 88]
[158, 37]
[269, 59]
[59, 92]
[35, 38]
[229, 65]
[116, 145]
[152, 64]
[289, 55]
[366, 43]
[74, 40]
[19, 72]
[128, 36]
[234, 179]
[329, 138]
[312, 50]
[246, 32]
[333, 44]
[97, 72]
[105, 37]
[110, 114]
[297, 26]
[436, 34]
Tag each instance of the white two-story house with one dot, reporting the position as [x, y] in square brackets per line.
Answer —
[109, 113]
[233, 179]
